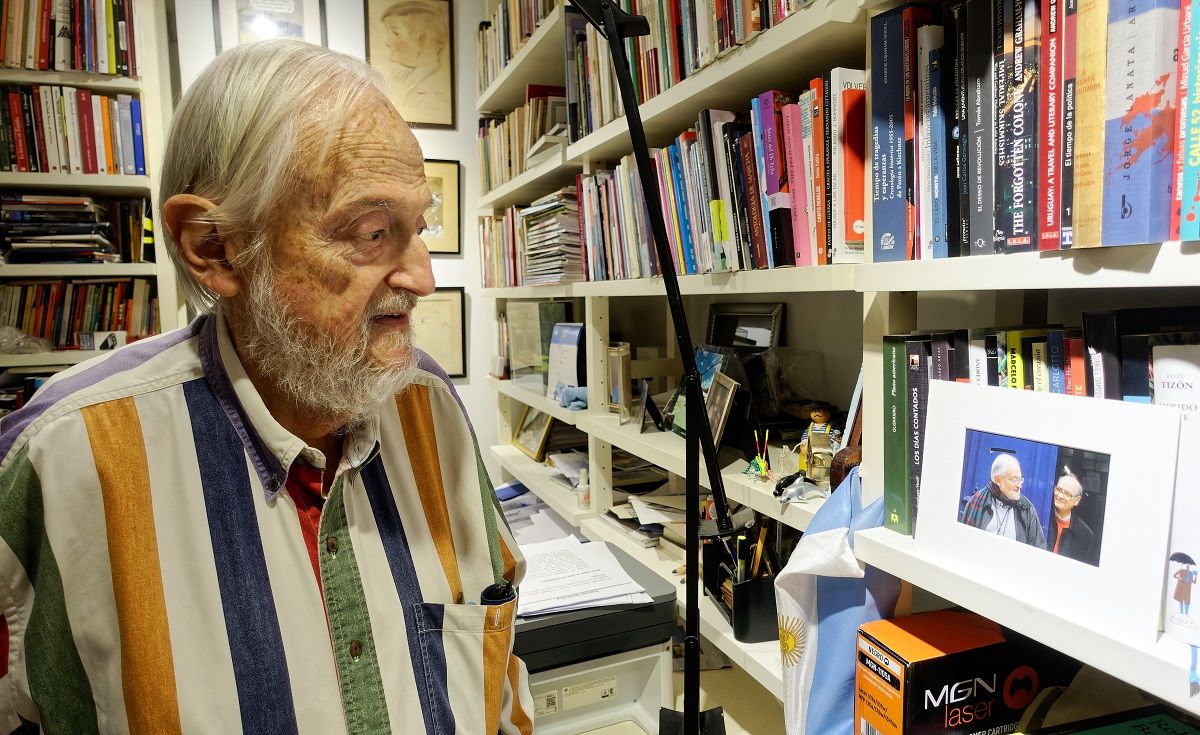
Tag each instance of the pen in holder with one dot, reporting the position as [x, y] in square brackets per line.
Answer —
[751, 607]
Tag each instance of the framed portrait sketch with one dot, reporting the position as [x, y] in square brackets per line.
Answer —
[246, 21]
[439, 325]
[442, 220]
[532, 431]
[411, 43]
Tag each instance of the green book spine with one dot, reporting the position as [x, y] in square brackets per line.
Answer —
[897, 506]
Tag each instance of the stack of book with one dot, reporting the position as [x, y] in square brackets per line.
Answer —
[499, 39]
[38, 228]
[59, 310]
[551, 239]
[509, 144]
[780, 186]
[96, 36]
[1024, 125]
[685, 36]
[503, 243]
[50, 129]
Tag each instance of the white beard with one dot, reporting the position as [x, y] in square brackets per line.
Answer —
[324, 375]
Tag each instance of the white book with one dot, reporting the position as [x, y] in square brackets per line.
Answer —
[33, 20]
[724, 233]
[806, 128]
[928, 39]
[60, 143]
[98, 134]
[1041, 368]
[74, 144]
[1176, 382]
[45, 100]
[842, 250]
[114, 129]
[100, 22]
[63, 51]
[126, 118]
[14, 34]
[977, 357]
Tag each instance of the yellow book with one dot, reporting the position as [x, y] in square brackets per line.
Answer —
[109, 31]
[106, 120]
[1091, 46]
[1017, 369]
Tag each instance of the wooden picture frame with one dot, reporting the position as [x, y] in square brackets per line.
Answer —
[718, 402]
[439, 325]
[532, 431]
[618, 367]
[443, 220]
[244, 21]
[411, 43]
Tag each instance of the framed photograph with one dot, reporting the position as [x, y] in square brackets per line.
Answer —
[1049, 498]
[617, 362]
[411, 43]
[718, 402]
[443, 218]
[439, 325]
[532, 431]
[745, 325]
[247, 21]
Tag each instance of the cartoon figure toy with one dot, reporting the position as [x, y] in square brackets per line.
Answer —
[819, 442]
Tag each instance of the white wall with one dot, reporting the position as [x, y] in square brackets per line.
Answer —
[345, 29]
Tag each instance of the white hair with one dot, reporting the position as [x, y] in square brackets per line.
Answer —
[1003, 464]
[243, 133]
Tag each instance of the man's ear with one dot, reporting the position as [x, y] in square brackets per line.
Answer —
[205, 253]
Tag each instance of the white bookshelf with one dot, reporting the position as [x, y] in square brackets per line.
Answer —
[46, 359]
[122, 185]
[731, 283]
[536, 477]
[533, 399]
[96, 82]
[759, 660]
[539, 61]
[544, 178]
[77, 270]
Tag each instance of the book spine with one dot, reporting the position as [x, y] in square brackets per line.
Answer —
[836, 180]
[680, 203]
[33, 17]
[912, 17]
[852, 194]
[1021, 234]
[100, 15]
[18, 129]
[1056, 357]
[978, 361]
[1040, 368]
[954, 103]
[1102, 363]
[1091, 28]
[926, 41]
[1189, 221]
[124, 104]
[1050, 103]
[897, 508]
[1066, 186]
[40, 121]
[827, 162]
[83, 103]
[110, 32]
[809, 173]
[794, 150]
[1140, 104]
[756, 121]
[887, 141]
[1182, 103]
[97, 133]
[74, 144]
[31, 131]
[750, 176]
[918, 360]
[981, 105]
[44, 37]
[821, 185]
[939, 235]
[1002, 50]
[779, 195]
[6, 158]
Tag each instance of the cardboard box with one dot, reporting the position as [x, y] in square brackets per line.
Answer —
[948, 672]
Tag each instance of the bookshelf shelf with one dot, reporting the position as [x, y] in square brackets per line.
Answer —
[822, 278]
[814, 39]
[528, 292]
[91, 183]
[544, 178]
[1139, 266]
[535, 400]
[100, 82]
[538, 62]
[759, 660]
[1149, 669]
[77, 270]
[40, 359]
[536, 477]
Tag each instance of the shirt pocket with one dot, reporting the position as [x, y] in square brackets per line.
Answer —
[458, 643]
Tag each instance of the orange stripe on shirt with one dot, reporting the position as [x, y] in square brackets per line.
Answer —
[416, 416]
[147, 665]
[518, 717]
[497, 635]
[510, 562]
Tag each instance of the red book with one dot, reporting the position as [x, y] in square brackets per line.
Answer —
[87, 135]
[1074, 371]
[758, 238]
[819, 184]
[77, 35]
[675, 31]
[130, 38]
[45, 43]
[533, 91]
[41, 135]
[1182, 105]
[854, 142]
[1049, 204]
[18, 130]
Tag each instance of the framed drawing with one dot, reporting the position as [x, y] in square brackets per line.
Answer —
[411, 43]
[442, 220]
[532, 431]
[718, 402]
[439, 325]
[246, 21]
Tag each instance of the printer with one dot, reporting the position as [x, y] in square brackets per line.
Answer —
[601, 666]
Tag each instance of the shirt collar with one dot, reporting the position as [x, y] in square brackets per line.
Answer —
[272, 448]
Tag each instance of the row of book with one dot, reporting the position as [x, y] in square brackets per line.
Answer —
[60, 310]
[41, 228]
[1115, 354]
[510, 144]
[780, 186]
[504, 34]
[685, 36]
[96, 36]
[51, 129]
[535, 245]
[1020, 125]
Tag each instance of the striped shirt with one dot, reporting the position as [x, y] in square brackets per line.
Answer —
[154, 575]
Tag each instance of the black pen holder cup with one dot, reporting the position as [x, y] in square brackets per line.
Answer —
[753, 616]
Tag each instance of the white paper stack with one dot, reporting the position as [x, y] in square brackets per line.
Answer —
[568, 575]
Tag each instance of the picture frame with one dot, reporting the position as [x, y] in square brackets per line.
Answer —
[532, 431]
[754, 325]
[647, 411]
[443, 219]
[244, 21]
[411, 43]
[439, 325]
[718, 403]
[617, 364]
[1137, 507]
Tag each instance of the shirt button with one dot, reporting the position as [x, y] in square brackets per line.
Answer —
[331, 544]
[355, 649]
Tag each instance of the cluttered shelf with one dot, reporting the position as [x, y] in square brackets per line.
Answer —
[1150, 669]
[759, 660]
[831, 32]
[533, 399]
[542, 179]
[539, 60]
[538, 478]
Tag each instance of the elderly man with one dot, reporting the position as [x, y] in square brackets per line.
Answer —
[1072, 537]
[1000, 508]
[273, 520]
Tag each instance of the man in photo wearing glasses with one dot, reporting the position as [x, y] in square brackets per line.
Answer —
[1071, 536]
[1000, 508]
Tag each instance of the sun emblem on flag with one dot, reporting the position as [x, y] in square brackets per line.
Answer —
[793, 636]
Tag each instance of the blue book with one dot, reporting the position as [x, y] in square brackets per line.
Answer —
[756, 134]
[937, 157]
[1139, 121]
[1056, 360]
[89, 26]
[139, 153]
[889, 229]
[681, 208]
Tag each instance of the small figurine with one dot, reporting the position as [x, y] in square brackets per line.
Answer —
[819, 442]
